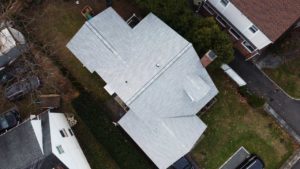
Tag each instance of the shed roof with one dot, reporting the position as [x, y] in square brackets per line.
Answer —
[12, 45]
[273, 17]
[156, 73]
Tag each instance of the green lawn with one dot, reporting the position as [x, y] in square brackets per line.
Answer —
[287, 76]
[232, 124]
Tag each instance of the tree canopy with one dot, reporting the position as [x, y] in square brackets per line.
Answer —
[203, 32]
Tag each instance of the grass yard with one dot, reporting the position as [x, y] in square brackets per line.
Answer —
[232, 124]
[287, 76]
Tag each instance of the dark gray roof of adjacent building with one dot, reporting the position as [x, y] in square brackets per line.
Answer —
[46, 133]
[19, 147]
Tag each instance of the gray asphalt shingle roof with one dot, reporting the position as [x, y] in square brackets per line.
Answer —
[157, 73]
[19, 147]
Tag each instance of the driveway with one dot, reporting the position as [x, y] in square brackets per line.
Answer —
[296, 166]
[287, 108]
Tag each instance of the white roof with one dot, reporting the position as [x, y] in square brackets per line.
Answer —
[233, 75]
[7, 39]
[37, 127]
[157, 73]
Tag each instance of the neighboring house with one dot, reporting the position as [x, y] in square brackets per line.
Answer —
[43, 142]
[12, 45]
[158, 76]
[254, 24]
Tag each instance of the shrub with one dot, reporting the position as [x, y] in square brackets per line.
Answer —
[203, 32]
[253, 100]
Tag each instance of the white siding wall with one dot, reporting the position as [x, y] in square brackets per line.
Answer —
[242, 23]
[72, 155]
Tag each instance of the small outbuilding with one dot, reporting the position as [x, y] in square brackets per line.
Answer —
[12, 45]
[49, 101]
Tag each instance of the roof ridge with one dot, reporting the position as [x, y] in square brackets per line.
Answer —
[172, 117]
[157, 75]
[108, 45]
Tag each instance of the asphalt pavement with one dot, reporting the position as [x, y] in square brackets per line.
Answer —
[286, 107]
[297, 165]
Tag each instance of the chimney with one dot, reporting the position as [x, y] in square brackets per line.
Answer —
[208, 57]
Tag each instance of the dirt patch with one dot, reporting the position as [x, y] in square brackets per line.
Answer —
[53, 82]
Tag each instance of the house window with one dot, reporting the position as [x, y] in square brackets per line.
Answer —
[60, 149]
[208, 8]
[63, 133]
[71, 132]
[248, 46]
[224, 2]
[253, 29]
[234, 33]
[221, 21]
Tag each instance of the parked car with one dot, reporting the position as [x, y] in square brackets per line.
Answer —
[4, 77]
[253, 162]
[182, 163]
[9, 119]
[11, 73]
[21, 88]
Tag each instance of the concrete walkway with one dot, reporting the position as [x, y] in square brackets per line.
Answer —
[293, 162]
[287, 108]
